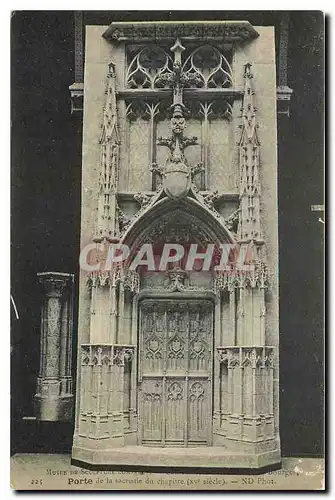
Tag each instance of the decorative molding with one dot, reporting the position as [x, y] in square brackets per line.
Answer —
[242, 356]
[137, 109]
[223, 31]
[225, 197]
[228, 280]
[105, 278]
[113, 278]
[190, 94]
[106, 354]
[284, 94]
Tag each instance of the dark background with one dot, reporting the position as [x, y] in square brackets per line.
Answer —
[45, 220]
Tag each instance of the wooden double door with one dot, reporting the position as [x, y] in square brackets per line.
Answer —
[175, 372]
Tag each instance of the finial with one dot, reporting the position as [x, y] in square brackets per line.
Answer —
[177, 49]
[247, 72]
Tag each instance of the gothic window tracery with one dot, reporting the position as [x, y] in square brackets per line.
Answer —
[153, 69]
[210, 66]
[147, 67]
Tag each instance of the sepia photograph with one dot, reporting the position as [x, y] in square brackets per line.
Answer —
[167, 250]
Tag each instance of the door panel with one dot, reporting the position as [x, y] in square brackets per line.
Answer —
[152, 417]
[175, 372]
[198, 396]
[175, 412]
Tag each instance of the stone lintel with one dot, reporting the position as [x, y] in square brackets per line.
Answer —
[224, 31]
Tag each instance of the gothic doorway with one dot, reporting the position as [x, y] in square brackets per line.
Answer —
[175, 372]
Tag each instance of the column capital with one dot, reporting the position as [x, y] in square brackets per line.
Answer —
[54, 284]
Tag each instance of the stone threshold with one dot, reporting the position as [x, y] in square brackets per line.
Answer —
[202, 458]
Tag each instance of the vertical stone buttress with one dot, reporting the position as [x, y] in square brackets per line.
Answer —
[106, 411]
[246, 373]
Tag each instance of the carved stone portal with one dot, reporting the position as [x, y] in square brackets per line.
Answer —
[179, 364]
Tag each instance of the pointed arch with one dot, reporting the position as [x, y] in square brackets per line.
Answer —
[165, 209]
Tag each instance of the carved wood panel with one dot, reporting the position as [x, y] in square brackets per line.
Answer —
[175, 372]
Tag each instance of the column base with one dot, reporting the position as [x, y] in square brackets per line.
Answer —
[55, 409]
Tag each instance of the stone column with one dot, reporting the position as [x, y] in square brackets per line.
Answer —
[54, 398]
